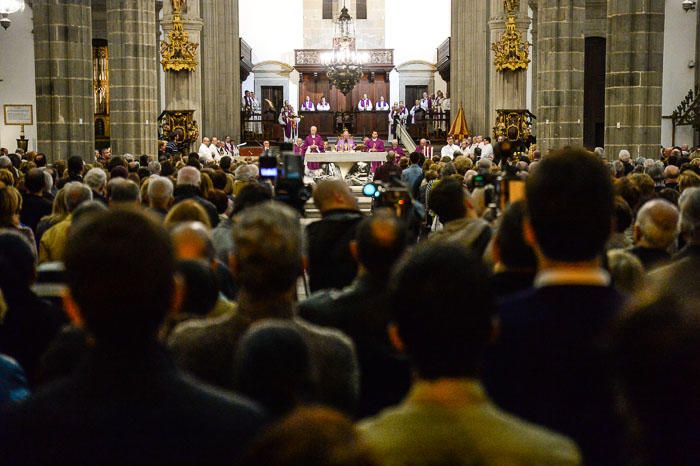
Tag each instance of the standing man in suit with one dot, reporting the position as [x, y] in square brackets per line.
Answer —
[548, 366]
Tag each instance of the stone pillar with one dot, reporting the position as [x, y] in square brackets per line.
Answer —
[183, 89]
[131, 35]
[64, 93]
[470, 72]
[508, 90]
[633, 77]
[534, 57]
[561, 46]
[221, 70]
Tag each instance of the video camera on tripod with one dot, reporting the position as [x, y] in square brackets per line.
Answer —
[287, 176]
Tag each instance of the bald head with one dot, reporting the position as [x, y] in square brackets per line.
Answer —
[657, 224]
[671, 172]
[192, 241]
[333, 194]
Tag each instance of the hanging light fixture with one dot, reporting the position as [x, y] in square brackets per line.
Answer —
[7, 7]
[344, 63]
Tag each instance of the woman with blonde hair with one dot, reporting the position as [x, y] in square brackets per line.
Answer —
[10, 207]
[187, 211]
[59, 212]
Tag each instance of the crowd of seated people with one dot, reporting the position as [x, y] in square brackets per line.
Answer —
[151, 312]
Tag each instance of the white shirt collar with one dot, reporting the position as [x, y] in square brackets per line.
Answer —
[580, 277]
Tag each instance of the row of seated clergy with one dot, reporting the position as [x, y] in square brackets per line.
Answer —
[365, 105]
[313, 143]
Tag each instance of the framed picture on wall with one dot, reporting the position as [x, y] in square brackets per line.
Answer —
[18, 114]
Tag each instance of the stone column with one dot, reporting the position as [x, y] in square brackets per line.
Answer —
[534, 56]
[469, 63]
[561, 46]
[183, 89]
[131, 35]
[508, 90]
[633, 77]
[64, 93]
[221, 70]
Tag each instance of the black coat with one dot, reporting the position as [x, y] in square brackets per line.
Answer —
[331, 264]
[550, 366]
[27, 330]
[33, 208]
[117, 410]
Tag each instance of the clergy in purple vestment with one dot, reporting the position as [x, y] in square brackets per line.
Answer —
[299, 147]
[397, 149]
[374, 144]
[313, 144]
[365, 104]
[345, 143]
[308, 105]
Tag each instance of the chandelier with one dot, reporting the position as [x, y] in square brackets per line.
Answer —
[344, 63]
[7, 7]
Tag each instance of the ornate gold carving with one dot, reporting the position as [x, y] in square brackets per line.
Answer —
[514, 125]
[512, 52]
[511, 7]
[179, 124]
[178, 53]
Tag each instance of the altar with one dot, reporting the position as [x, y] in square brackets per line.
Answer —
[345, 160]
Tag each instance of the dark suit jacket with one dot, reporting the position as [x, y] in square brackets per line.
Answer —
[651, 258]
[33, 208]
[119, 411]
[330, 263]
[206, 348]
[361, 311]
[549, 365]
[27, 330]
[509, 282]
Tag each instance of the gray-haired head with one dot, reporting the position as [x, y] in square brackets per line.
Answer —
[76, 193]
[624, 155]
[246, 173]
[600, 152]
[448, 170]
[189, 176]
[656, 172]
[689, 220]
[154, 167]
[267, 248]
[123, 191]
[96, 178]
[160, 188]
[483, 165]
[5, 162]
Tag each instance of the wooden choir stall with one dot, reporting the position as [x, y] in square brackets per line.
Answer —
[344, 113]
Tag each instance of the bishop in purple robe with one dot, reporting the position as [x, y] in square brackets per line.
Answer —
[313, 144]
[345, 143]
